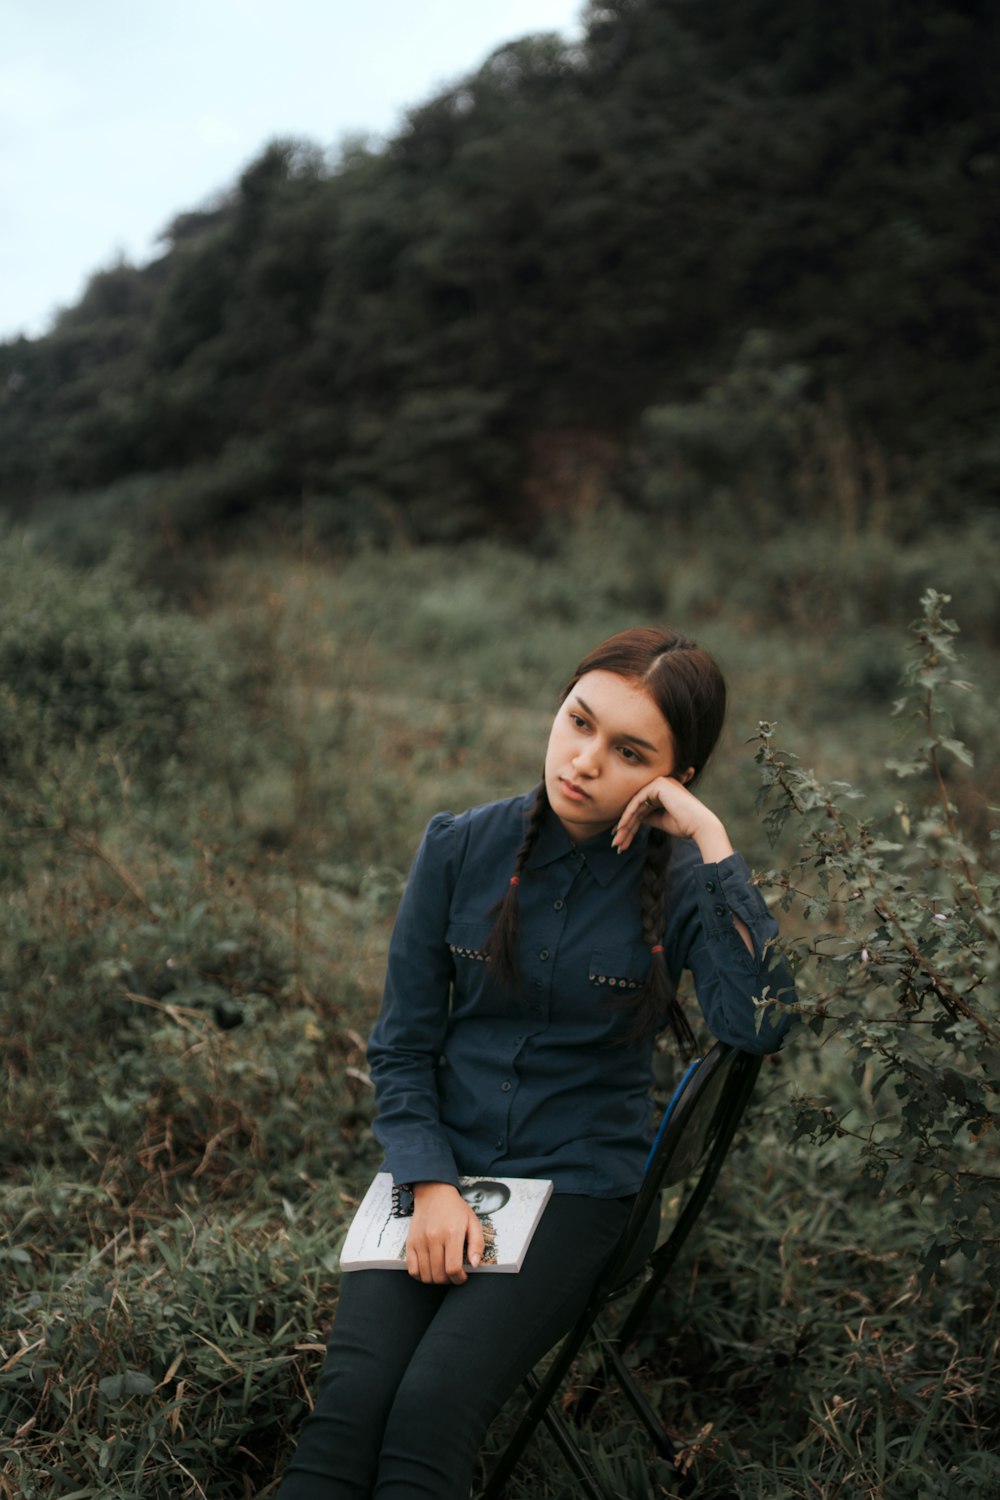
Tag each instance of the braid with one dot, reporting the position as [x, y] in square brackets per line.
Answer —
[654, 884]
[501, 945]
[656, 1004]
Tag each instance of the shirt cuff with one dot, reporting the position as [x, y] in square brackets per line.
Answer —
[412, 1167]
[723, 890]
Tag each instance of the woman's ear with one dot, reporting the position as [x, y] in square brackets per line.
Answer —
[688, 776]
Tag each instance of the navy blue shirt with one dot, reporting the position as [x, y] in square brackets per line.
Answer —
[474, 1078]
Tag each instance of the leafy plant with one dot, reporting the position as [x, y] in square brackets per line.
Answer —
[905, 972]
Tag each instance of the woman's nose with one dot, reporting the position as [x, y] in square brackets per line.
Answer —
[585, 760]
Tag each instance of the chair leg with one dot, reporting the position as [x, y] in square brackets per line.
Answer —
[639, 1404]
[572, 1456]
[506, 1463]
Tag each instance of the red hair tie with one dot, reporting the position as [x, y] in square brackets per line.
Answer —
[656, 948]
[515, 880]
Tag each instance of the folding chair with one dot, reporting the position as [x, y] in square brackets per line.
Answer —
[693, 1137]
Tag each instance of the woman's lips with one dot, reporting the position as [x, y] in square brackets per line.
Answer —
[574, 793]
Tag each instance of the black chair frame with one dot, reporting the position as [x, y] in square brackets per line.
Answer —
[694, 1136]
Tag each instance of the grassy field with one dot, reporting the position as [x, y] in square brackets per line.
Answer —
[208, 816]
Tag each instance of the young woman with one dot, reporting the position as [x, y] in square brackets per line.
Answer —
[535, 956]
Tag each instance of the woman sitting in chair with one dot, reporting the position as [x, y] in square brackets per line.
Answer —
[534, 959]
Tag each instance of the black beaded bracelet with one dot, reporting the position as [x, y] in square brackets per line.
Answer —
[402, 1200]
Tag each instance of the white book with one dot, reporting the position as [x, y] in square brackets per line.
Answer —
[508, 1208]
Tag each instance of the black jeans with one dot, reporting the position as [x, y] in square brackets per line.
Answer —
[414, 1374]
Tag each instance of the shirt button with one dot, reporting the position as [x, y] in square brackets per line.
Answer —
[720, 910]
[544, 953]
[505, 1086]
[574, 854]
[710, 886]
[558, 905]
[539, 985]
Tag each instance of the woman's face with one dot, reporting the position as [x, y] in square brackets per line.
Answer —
[608, 740]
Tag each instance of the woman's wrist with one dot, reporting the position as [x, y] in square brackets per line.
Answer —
[712, 839]
[714, 846]
[430, 1189]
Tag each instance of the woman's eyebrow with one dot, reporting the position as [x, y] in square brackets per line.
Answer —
[633, 739]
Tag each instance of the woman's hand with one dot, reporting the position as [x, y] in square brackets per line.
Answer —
[444, 1234]
[666, 804]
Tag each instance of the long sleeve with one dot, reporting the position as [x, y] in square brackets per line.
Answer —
[703, 938]
[409, 1035]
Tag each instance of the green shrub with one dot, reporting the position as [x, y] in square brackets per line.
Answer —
[87, 663]
[906, 968]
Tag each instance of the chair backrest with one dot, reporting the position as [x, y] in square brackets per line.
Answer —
[693, 1117]
[696, 1127]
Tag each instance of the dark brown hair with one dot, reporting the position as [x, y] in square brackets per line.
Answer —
[688, 688]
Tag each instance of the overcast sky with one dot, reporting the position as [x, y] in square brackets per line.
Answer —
[115, 115]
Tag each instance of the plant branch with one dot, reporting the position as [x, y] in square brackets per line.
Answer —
[945, 799]
[88, 843]
[949, 996]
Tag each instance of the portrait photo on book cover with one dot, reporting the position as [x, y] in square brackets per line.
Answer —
[486, 1197]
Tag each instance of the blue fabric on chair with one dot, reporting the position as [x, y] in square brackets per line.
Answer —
[689, 1073]
[691, 1143]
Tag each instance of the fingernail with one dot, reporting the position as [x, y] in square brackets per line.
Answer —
[473, 1261]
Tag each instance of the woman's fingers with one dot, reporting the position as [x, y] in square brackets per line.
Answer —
[444, 1233]
[475, 1241]
[454, 1259]
[665, 803]
[436, 1258]
[643, 807]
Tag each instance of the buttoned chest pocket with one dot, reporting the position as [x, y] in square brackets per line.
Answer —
[619, 970]
[467, 942]
[473, 989]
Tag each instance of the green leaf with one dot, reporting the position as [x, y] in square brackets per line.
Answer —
[127, 1383]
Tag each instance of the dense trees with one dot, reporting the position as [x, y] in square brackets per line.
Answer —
[425, 336]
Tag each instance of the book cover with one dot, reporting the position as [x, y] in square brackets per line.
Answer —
[508, 1208]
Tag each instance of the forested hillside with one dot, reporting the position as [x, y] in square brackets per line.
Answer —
[464, 326]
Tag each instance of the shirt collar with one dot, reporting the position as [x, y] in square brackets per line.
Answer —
[603, 862]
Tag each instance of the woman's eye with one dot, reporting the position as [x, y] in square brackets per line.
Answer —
[631, 755]
[578, 722]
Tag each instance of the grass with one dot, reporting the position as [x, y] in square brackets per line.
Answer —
[192, 958]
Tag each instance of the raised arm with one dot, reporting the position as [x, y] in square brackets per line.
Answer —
[719, 927]
[718, 924]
